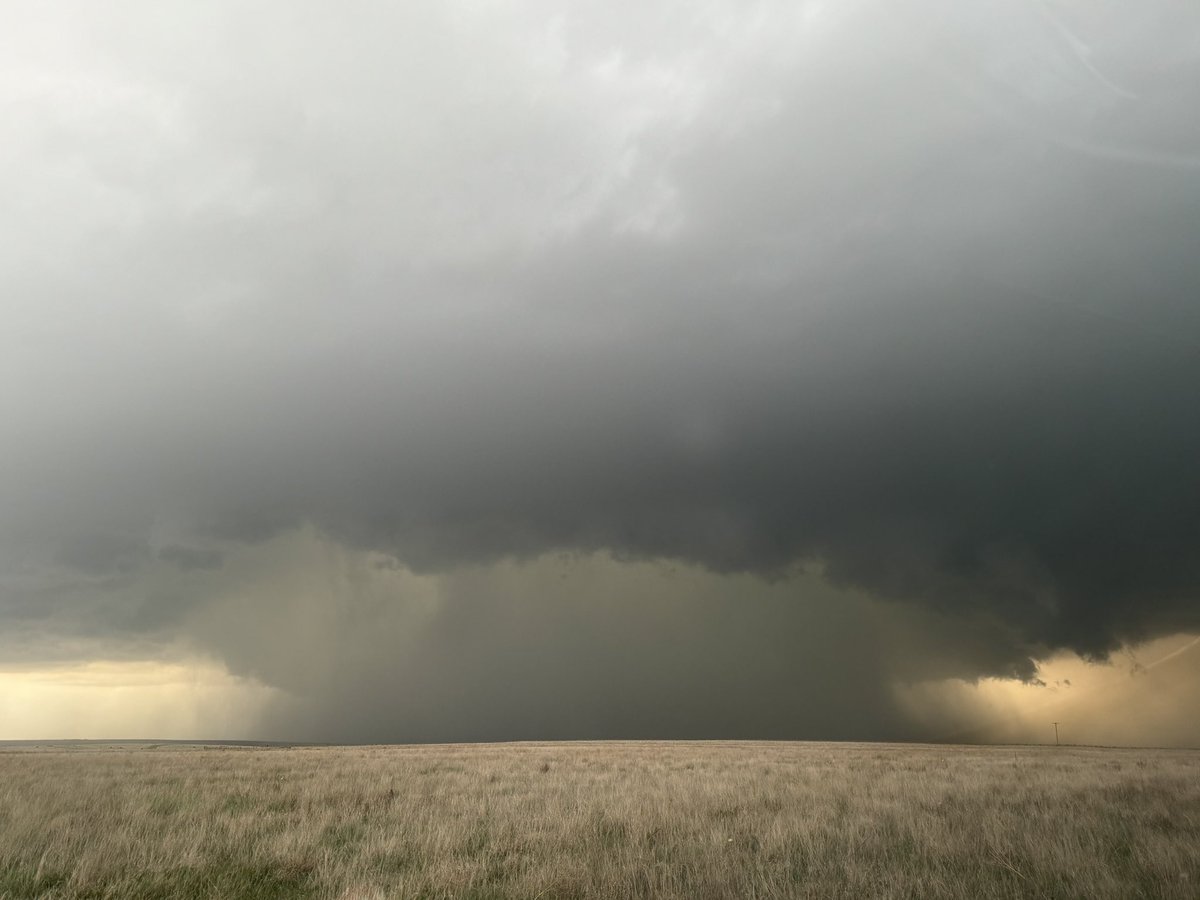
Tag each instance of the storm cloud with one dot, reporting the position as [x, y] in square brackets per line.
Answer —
[897, 306]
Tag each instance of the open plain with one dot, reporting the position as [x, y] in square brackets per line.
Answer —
[592, 820]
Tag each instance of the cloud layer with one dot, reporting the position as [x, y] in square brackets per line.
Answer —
[905, 300]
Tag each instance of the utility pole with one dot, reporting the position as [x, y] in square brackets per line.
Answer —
[1056, 734]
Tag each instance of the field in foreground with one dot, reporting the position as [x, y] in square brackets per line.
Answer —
[680, 820]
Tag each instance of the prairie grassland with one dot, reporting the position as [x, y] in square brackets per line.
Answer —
[678, 820]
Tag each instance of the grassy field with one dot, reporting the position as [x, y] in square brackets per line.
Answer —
[680, 820]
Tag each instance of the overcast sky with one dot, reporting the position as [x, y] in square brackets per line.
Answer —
[486, 370]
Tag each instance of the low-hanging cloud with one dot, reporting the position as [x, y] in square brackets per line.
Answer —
[905, 299]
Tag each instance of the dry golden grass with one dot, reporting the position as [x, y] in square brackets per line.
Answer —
[680, 820]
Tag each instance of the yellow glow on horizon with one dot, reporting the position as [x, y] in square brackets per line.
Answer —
[130, 699]
[1134, 699]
